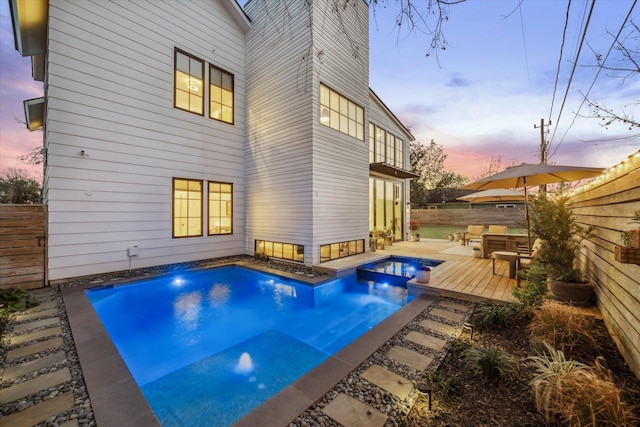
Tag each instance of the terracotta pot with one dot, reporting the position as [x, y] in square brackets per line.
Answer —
[577, 294]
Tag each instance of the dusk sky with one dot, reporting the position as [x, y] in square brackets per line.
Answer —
[479, 98]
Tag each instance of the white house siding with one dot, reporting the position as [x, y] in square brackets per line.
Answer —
[306, 184]
[110, 93]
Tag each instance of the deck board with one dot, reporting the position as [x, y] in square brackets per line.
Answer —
[461, 276]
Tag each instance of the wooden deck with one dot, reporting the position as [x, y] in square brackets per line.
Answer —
[461, 275]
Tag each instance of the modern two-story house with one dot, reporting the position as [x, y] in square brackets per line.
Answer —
[178, 131]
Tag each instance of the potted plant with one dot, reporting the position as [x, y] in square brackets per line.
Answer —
[423, 274]
[561, 235]
[413, 225]
[629, 252]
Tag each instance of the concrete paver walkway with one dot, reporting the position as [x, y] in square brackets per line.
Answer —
[31, 366]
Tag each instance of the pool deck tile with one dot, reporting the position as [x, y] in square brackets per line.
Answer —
[29, 326]
[286, 405]
[409, 357]
[39, 413]
[387, 380]
[33, 365]
[449, 315]
[443, 328]
[425, 340]
[31, 336]
[52, 312]
[456, 306]
[351, 412]
[41, 382]
[35, 348]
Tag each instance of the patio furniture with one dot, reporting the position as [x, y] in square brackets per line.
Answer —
[512, 257]
[473, 233]
[501, 242]
[498, 229]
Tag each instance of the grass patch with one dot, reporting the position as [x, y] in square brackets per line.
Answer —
[441, 232]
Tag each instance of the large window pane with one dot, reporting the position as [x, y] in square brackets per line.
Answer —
[220, 208]
[340, 113]
[220, 95]
[188, 84]
[187, 208]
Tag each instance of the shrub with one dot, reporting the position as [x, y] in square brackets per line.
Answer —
[16, 299]
[491, 361]
[442, 384]
[563, 327]
[575, 393]
[534, 289]
[489, 314]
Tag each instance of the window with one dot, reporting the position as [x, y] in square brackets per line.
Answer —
[220, 208]
[289, 251]
[220, 95]
[187, 208]
[340, 113]
[341, 250]
[384, 147]
[188, 81]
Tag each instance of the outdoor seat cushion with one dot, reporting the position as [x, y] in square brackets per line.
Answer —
[498, 229]
[475, 231]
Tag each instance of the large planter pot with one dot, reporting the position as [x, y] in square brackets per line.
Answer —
[456, 236]
[577, 294]
[423, 276]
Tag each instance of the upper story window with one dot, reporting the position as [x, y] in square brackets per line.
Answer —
[187, 207]
[189, 83]
[385, 147]
[340, 113]
[220, 95]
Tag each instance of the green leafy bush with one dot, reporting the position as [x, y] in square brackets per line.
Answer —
[489, 314]
[491, 361]
[442, 384]
[533, 290]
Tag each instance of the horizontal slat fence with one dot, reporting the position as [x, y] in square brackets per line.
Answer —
[608, 204]
[23, 245]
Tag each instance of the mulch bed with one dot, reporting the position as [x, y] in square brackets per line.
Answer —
[508, 401]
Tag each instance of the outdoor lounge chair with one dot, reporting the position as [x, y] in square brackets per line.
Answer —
[474, 232]
[497, 229]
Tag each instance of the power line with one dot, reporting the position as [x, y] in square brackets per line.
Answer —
[573, 69]
[585, 96]
[564, 36]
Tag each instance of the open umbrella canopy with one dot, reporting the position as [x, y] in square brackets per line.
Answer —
[527, 175]
[493, 195]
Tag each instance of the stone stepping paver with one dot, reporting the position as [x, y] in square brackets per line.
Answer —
[36, 315]
[29, 326]
[351, 412]
[409, 357]
[34, 348]
[42, 306]
[39, 383]
[456, 306]
[449, 315]
[39, 413]
[387, 380]
[425, 340]
[31, 336]
[33, 365]
[443, 328]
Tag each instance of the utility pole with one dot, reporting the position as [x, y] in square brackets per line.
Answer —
[543, 143]
[543, 148]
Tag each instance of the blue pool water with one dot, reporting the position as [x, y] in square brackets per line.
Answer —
[402, 268]
[206, 347]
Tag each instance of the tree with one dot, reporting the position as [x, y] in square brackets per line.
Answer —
[435, 182]
[34, 157]
[17, 187]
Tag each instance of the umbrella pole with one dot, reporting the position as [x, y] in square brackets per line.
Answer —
[526, 213]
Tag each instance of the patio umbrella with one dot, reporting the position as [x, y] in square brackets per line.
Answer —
[493, 195]
[526, 175]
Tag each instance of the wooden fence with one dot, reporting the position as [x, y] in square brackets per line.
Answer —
[23, 246]
[608, 204]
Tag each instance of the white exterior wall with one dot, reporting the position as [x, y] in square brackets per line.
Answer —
[110, 93]
[306, 183]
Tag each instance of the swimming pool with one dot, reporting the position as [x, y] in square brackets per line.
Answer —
[207, 347]
[399, 268]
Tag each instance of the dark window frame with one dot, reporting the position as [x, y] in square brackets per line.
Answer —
[173, 208]
[177, 51]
